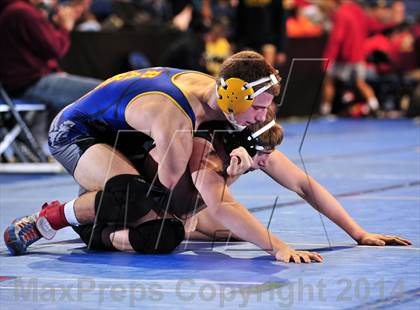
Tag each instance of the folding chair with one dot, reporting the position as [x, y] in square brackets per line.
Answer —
[14, 127]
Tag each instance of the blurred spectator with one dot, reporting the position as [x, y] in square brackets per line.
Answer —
[396, 40]
[398, 12]
[34, 36]
[101, 9]
[133, 14]
[87, 21]
[379, 52]
[259, 23]
[412, 9]
[298, 25]
[188, 52]
[344, 50]
[415, 29]
[270, 54]
[379, 13]
[402, 40]
[137, 61]
[182, 20]
[218, 48]
[220, 12]
[392, 61]
[314, 12]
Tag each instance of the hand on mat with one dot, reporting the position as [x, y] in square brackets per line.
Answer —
[378, 239]
[297, 257]
[240, 162]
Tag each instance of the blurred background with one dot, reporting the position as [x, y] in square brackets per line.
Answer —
[350, 58]
[120, 35]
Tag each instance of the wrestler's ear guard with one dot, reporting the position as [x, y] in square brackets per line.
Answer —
[235, 95]
[247, 139]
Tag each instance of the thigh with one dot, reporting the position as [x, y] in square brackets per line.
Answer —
[99, 163]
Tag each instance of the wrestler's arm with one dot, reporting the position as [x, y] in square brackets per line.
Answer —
[234, 216]
[173, 150]
[170, 130]
[287, 174]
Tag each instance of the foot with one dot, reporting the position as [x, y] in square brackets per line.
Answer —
[21, 233]
[24, 231]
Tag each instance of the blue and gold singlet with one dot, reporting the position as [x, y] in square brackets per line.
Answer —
[101, 111]
[99, 116]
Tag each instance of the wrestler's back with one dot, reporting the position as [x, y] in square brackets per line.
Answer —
[106, 104]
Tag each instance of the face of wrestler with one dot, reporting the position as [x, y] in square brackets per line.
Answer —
[259, 161]
[257, 112]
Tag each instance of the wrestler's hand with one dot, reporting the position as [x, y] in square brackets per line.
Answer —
[240, 162]
[288, 255]
[380, 240]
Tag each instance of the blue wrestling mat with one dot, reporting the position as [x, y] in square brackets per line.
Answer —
[371, 166]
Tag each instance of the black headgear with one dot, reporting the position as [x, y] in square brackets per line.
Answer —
[247, 139]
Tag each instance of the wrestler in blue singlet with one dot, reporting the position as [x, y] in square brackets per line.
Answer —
[98, 116]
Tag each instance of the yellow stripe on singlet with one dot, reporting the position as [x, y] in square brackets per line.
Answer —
[167, 96]
[184, 72]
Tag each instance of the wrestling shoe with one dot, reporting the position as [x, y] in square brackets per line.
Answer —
[24, 231]
[50, 219]
[21, 233]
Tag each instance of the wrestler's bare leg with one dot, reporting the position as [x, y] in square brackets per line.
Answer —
[208, 228]
[328, 95]
[119, 238]
[98, 164]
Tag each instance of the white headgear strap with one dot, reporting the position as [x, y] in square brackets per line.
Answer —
[272, 79]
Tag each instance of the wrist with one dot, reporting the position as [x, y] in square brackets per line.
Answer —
[358, 235]
[277, 246]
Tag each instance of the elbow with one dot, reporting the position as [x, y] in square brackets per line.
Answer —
[302, 188]
[220, 210]
[169, 180]
[214, 208]
[306, 188]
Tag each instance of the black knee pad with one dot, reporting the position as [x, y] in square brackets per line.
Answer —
[125, 198]
[145, 237]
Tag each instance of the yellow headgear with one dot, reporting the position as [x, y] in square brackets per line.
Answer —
[235, 95]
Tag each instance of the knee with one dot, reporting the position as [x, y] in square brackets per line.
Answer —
[126, 197]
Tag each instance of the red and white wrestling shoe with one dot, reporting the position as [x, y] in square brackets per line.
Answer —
[21, 233]
[24, 231]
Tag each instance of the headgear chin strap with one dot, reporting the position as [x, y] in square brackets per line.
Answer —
[231, 118]
[235, 95]
[248, 140]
